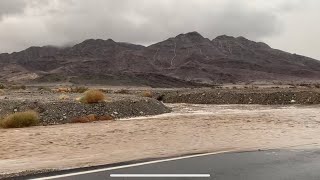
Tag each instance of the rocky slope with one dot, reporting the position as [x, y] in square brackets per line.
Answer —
[184, 60]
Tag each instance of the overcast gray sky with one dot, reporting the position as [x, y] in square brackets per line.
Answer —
[290, 25]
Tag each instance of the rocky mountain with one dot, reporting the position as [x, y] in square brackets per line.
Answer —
[184, 60]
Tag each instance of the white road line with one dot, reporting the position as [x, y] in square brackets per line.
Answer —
[130, 165]
[160, 175]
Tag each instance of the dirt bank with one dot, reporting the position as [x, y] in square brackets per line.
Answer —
[243, 96]
[189, 129]
[56, 110]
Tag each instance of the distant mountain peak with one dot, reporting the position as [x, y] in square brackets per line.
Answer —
[242, 40]
[224, 37]
[250, 43]
[194, 34]
[96, 41]
[191, 36]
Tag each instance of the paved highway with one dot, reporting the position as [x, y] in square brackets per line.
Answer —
[259, 165]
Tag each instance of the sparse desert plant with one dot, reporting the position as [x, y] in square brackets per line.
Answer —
[83, 119]
[20, 119]
[80, 89]
[160, 97]
[91, 118]
[64, 97]
[305, 85]
[92, 96]
[122, 91]
[2, 86]
[43, 88]
[147, 94]
[2, 92]
[18, 87]
[63, 90]
[105, 118]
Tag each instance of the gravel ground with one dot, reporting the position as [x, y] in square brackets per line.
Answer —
[244, 96]
[56, 110]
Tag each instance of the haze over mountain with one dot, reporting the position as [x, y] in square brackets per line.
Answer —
[177, 61]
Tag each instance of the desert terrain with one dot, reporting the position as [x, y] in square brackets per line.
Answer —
[186, 94]
[154, 123]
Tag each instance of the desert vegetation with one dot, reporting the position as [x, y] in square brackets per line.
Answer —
[20, 119]
[43, 88]
[18, 87]
[91, 118]
[92, 96]
[64, 97]
[147, 94]
[77, 89]
[122, 91]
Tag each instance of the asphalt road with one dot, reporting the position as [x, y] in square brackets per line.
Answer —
[259, 165]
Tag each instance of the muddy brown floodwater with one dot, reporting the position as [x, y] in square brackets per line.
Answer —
[190, 128]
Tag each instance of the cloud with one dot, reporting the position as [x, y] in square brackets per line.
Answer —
[59, 22]
[9, 7]
[149, 21]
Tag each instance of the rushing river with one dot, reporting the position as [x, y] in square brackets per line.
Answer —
[301, 114]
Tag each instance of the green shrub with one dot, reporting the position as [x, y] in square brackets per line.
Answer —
[92, 96]
[20, 119]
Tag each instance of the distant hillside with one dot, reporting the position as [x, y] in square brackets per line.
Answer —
[184, 60]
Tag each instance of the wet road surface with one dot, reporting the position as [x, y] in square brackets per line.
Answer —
[257, 165]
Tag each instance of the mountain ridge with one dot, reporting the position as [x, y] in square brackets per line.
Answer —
[188, 58]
